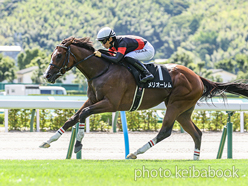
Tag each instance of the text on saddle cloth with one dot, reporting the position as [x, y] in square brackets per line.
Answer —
[162, 78]
[161, 75]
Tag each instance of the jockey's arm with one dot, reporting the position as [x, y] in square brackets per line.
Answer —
[115, 59]
[121, 50]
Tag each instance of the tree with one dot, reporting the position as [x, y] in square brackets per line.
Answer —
[226, 64]
[7, 69]
[242, 62]
[25, 58]
[36, 57]
[37, 74]
[181, 59]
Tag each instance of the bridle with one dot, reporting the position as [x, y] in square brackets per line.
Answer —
[65, 64]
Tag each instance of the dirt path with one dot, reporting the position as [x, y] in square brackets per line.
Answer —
[25, 145]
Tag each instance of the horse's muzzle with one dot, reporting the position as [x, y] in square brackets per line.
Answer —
[50, 78]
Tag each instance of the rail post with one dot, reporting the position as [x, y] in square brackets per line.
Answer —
[222, 143]
[125, 132]
[71, 143]
[229, 134]
[181, 129]
[32, 121]
[74, 132]
[79, 154]
[227, 131]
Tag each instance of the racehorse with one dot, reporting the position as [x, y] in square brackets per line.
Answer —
[111, 88]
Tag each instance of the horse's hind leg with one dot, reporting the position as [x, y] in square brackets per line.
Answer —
[185, 120]
[176, 109]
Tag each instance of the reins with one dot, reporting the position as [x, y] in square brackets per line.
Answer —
[65, 65]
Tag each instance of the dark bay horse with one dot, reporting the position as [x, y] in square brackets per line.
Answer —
[111, 88]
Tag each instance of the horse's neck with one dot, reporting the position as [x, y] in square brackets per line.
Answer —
[92, 66]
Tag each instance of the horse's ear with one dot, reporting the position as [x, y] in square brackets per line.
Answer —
[69, 42]
[87, 39]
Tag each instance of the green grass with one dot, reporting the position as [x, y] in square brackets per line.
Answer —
[122, 172]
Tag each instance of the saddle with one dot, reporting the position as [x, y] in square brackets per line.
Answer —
[161, 75]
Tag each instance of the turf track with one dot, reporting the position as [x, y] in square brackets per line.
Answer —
[123, 172]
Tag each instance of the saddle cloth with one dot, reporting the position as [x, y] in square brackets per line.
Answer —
[161, 75]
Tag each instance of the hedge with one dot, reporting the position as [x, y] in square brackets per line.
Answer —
[147, 120]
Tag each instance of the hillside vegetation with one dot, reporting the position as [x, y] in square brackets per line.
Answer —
[198, 34]
[209, 30]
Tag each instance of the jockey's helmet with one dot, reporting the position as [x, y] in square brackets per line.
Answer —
[105, 33]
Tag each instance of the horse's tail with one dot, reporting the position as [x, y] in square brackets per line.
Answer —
[212, 89]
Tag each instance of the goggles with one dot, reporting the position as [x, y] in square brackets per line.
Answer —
[104, 41]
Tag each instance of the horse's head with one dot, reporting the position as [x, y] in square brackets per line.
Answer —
[61, 61]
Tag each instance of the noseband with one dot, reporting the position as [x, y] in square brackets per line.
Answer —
[65, 64]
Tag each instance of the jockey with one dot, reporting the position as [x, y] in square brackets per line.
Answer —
[132, 48]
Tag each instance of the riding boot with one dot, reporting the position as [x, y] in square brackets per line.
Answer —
[138, 65]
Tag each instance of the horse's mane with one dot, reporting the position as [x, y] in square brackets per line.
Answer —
[80, 42]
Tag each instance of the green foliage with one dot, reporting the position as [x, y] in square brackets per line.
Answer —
[218, 119]
[7, 68]
[25, 58]
[76, 92]
[214, 34]
[34, 57]
[94, 122]
[204, 120]
[38, 73]
[181, 59]
[236, 121]
[1, 118]
[14, 119]
[44, 115]
[147, 120]
[206, 37]
[24, 118]
[97, 124]
[133, 121]
[150, 120]
[58, 120]
[246, 121]
[226, 64]
[107, 117]
[44, 24]
[242, 62]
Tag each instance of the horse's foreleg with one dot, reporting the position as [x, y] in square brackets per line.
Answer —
[80, 134]
[69, 123]
[99, 107]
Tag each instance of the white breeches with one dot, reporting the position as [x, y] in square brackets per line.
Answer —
[144, 54]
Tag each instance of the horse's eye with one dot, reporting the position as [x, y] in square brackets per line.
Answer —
[59, 56]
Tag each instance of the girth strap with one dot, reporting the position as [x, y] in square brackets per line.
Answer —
[137, 99]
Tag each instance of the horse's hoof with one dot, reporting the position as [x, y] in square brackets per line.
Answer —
[78, 147]
[131, 156]
[44, 145]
